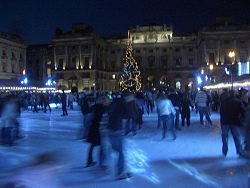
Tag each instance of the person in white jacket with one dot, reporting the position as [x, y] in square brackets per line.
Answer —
[167, 113]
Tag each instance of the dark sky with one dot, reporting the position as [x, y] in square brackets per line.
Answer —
[36, 20]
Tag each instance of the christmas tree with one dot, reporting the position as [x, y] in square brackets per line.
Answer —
[130, 78]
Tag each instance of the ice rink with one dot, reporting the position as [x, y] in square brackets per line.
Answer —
[194, 159]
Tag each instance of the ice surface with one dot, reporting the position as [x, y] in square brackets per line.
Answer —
[193, 160]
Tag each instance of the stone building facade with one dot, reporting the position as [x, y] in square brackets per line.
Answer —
[81, 60]
[12, 57]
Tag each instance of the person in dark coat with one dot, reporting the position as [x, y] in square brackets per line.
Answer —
[176, 101]
[64, 101]
[246, 123]
[215, 101]
[133, 113]
[223, 96]
[232, 113]
[185, 110]
[94, 135]
[118, 112]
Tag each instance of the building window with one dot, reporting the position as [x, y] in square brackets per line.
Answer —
[190, 49]
[177, 76]
[211, 42]
[113, 65]
[4, 54]
[178, 85]
[178, 63]
[86, 47]
[4, 65]
[113, 76]
[13, 66]
[151, 63]
[190, 62]
[177, 49]
[73, 61]
[61, 50]
[211, 57]
[164, 50]
[60, 64]
[73, 48]
[150, 51]
[138, 51]
[243, 57]
[49, 73]
[226, 41]
[86, 62]
[165, 63]
[113, 52]
[20, 68]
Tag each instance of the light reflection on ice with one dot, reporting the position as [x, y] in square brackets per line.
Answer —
[185, 167]
[137, 162]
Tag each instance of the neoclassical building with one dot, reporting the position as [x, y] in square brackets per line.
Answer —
[12, 57]
[82, 60]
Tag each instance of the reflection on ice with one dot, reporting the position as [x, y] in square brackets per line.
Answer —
[185, 167]
[137, 162]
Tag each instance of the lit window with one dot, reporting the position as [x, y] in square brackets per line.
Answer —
[113, 76]
[178, 85]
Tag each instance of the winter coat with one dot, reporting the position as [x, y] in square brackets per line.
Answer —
[185, 110]
[94, 134]
[85, 106]
[133, 112]
[165, 107]
[201, 99]
[175, 99]
[117, 112]
[232, 111]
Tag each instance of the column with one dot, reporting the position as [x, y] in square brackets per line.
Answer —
[55, 60]
[80, 58]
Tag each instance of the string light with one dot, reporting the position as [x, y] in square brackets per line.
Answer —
[131, 76]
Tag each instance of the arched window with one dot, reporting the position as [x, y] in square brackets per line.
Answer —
[178, 85]
[190, 85]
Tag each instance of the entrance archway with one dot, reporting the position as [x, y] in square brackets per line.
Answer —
[151, 83]
[73, 84]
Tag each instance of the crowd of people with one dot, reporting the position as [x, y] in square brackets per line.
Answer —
[111, 108]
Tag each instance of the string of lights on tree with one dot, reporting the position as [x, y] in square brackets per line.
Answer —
[131, 76]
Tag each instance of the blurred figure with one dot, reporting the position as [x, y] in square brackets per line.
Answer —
[35, 104]
[85, 107]
[94, 135]
[116, 114]
[246, 123]
[167, 113]
[231, 112]
[176, 101]
[201, 101]
[64, 102]
[185, 110]
[46, 102]
[132, 114]
[244, 96]
[149, 97]
[158, 112]
[10, 125]
[223, 96]
[70, 100]
[215, 101]
[140, 106]
[44, 173]
[210, 101]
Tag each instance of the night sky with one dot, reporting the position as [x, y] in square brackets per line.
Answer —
[36, 20]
